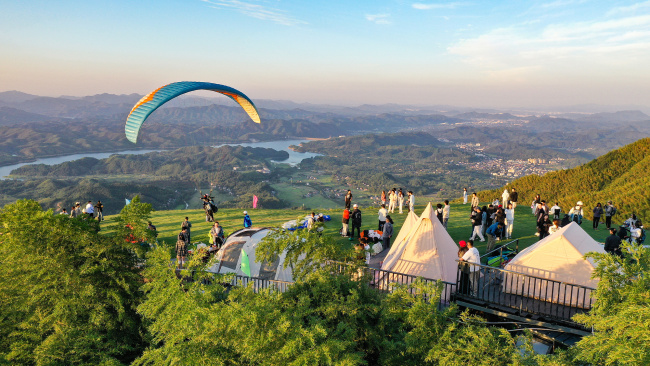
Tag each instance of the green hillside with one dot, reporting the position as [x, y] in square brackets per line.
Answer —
[620, 175]
[168, 223]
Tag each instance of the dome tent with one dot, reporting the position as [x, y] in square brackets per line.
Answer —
[229, 257]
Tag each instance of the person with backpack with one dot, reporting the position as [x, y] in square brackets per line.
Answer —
[247, 220]
[182, 242]
[346, 220]
[598, 211]
[610, 211]
[576, 214]
[187, 225]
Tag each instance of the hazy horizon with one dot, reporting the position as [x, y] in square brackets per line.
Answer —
[485, 55]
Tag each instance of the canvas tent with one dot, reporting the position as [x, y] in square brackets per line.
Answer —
[230, 255]
[427, 251]
[398, 244]
[558, 258]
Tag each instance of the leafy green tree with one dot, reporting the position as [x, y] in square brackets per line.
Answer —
[620, 316]
[131, 225]
[69, 294]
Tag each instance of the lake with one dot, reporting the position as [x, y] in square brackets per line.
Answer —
[294, 157]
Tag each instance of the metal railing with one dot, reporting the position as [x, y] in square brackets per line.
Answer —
[522, 292]
[384, 280]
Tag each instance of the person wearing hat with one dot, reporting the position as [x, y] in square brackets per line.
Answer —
[356, 221]
[576, 213]
[247, 220]
[610, 211]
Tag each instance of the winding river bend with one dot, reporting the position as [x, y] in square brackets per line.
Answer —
[294, 157]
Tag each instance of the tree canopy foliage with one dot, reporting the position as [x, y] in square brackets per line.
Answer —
[69, 294]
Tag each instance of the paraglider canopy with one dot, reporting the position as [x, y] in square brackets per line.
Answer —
[162, 95]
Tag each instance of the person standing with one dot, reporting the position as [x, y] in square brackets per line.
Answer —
[613, 243]
[474, 200]
[348, 199]
[181, 247]
[464, 269]
[464, 196]
[383, 198]
[345, 221]
[356, 221]
[216, 233]
[477, 222]
[610, 211]
[513, 198]
[505, 197]
[439, 212]
[510, 220]
[411, 201]
[445, 214]
[99, 208]
[473, 258]
[78, 210]
[392, 200]
[187, 225]
[310, 221]
[90, 210]
[400, 199]
[247, 220]
[387, 233]
[381, 216]
[598, 212]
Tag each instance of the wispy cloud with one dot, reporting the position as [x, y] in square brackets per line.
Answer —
[432, 6]
[379, 18]
[630, 8]
[623, 41]
[256, 11]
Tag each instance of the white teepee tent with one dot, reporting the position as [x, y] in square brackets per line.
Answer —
[398, 244]
[558, 257]
[428, 251]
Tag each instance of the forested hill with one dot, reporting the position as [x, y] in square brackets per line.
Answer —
[620, 175]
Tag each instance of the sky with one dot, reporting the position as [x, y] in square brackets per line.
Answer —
[466, 53]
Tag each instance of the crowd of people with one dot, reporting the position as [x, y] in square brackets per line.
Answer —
[88, 210]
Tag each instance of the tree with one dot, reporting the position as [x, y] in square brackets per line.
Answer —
[132, 225]
[620, 316]
[69, 294]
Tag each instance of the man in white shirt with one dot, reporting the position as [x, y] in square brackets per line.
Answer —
[445, 214]
[473, 256]
[90, 210]
[381, 215]
[411, 200]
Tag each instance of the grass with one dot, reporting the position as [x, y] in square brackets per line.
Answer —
[168, 223]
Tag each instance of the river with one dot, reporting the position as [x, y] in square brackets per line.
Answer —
[294, 157]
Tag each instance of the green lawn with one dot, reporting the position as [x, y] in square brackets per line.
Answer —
[168, 223]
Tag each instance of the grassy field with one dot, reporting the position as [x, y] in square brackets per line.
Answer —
[168, 223]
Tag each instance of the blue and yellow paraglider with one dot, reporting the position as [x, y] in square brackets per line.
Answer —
[162, 95]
